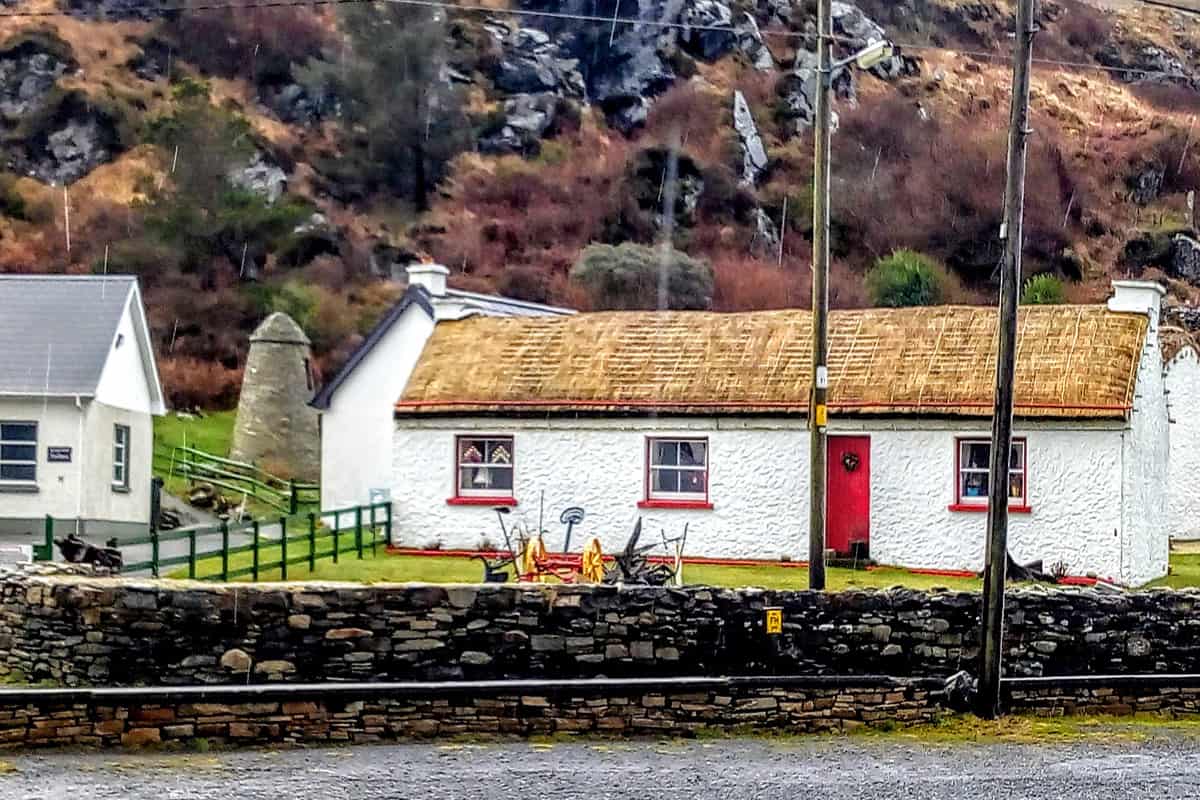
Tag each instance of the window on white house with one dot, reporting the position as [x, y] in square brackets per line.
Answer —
[485, 466]
[18, 452]
[678, 469]
[974, 460]
[120, 477]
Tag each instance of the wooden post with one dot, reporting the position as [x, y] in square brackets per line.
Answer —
[996, 561]
[388, 522]
[293, 501]
[358, 543]
[374, 537]
[254, 554]
[337, 537]
[154, 552]
[312, 542]
[192, 553]
[822, 134]
[48, 546]
[224, 550]
[283, 548]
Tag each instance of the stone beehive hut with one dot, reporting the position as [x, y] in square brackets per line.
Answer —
[276, 428]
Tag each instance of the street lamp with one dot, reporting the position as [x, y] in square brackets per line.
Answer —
[874, 53]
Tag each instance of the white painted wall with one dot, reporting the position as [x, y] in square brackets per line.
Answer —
[1146, 539]
[123, 382]
[758, 488]
[1183, 404]
[58, 485]
[356, 430]
[101, 501]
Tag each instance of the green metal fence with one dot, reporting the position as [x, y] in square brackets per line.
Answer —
[326, 535]
[243, 479]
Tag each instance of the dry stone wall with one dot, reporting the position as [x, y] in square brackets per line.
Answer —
[78, 629]
[373, 713]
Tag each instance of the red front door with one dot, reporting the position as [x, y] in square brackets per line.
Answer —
[848, 514]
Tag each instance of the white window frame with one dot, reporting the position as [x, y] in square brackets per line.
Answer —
[1019, 445]
[22, 461]
[508, 441]
[121, 457]
[651, 468]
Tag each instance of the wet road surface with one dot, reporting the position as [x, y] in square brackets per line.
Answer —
[830, 768]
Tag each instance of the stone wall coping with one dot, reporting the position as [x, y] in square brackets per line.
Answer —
[1147, 680]
[149, 695]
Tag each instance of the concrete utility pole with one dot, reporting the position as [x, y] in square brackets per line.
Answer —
[996, 563]
[817, 448]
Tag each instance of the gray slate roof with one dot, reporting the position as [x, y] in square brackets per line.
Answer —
[56, 331]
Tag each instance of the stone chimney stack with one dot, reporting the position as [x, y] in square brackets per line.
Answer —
[276, 429]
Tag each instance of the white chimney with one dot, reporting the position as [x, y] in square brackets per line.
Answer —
[1138, 297]
[430, 277]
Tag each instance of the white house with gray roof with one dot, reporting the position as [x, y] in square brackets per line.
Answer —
[78, 392]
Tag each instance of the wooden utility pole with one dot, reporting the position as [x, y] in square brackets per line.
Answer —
[817, 448]
[996, 563]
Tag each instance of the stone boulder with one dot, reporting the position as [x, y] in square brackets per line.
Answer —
[262, 177]
[300, 104]
[700, 38]
[28, 73]
[750, 43]
[527, 117]
[754, 152]
[1185, 258]
[533, 63]
[1146, 184]
[798, 90]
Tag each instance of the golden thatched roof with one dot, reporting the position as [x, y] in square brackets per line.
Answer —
[1072, 361]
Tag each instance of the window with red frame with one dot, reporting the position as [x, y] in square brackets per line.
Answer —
[485, 466]
[678, 469]
[974, 460]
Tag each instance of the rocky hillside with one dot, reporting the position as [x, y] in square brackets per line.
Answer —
[295, 158]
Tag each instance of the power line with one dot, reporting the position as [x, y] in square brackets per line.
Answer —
[613, 21]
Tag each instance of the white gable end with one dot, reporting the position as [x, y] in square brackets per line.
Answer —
[129, 380]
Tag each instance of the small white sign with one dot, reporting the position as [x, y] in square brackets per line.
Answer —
[822, 377]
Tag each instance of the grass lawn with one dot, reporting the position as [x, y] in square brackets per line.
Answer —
[387, 568]
[212, 433]
[1185, 572]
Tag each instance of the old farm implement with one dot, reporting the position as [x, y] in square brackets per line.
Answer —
[527, 557]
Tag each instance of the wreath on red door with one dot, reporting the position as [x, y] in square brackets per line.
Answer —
[850, 461]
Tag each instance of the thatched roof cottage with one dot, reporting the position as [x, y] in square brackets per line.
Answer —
[700, 418]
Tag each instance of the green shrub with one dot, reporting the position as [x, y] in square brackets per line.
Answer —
[1043, 290]
[12, 203]
[907, 278]
[627, 277]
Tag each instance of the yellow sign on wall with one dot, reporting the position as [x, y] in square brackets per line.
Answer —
[774, 621]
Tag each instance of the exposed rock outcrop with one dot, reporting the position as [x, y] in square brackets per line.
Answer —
[527, 117]
[709, 34]
[533, 63]
[262, 177]
[1185, 258]
[754, 153]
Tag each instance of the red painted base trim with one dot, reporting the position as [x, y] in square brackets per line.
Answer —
[698, 505]
[482, 501]
[983, 509]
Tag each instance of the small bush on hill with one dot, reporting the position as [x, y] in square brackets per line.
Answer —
[1043, 290]
[627, 277]
[193, 382]
[907, 278]
[12, 203]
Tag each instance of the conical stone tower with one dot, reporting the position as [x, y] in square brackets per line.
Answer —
[276, 428]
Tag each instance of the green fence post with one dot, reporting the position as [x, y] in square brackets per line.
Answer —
[254, 552]
[388, 521]
[224, 550]
[154, 552]
[47, 548]
[337, 537]
[374, 532]
[283, 548]
[192, 553]
[358, 530]
[293, 501]
[312, 542]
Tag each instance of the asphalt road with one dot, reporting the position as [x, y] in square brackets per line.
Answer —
[827, 768]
